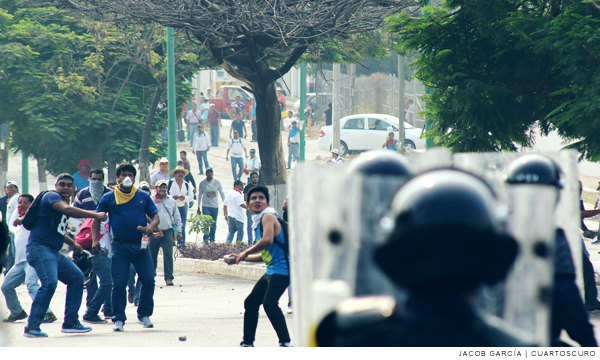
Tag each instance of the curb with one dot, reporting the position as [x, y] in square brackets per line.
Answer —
[217, 267]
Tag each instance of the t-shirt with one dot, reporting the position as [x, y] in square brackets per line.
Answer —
[281, 100]
[253, 164]
[213, 118]
[248, 187]
[327, 116]
[186, 164]
[239, 105]
[50, 226]
[238, 126]
[236, 146]
[158, 176]
[208, 193]
[79, 181]
[125, 218]
[273, 255]
[203, 107]
[253, 111]
[233, 201]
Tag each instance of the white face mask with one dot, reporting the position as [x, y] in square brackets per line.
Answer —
[127, 182]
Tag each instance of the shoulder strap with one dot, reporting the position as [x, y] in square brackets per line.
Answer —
[284, 247]
[169, 185]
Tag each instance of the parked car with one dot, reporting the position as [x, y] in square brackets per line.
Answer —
[369, 131]
[226, 95]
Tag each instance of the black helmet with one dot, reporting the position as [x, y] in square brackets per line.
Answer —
[447, 234]
[534, 169]
[84, 262]
[381, 162]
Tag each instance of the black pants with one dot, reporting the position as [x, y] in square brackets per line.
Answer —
[590, 292]
[569, 313]
[267, 292]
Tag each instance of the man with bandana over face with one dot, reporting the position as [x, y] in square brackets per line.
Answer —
[88, 199]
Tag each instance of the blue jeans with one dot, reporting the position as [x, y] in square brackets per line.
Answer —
[254, 130]
[102, 267]
[214, 213]
[51, 266]
[166, 242]
[183, 210]
[123, 255]
[235, 226]
[10, 259]
[249, 220]
[294, 150]
[134, 286]
[193, 131]
[202, 155]
[13, 279]
[214, 135]
[237, 161]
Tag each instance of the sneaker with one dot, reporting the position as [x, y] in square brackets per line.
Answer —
[289, 310]
[34, 333]
[593, 307]
[94, 319]
[118, 326]
[169, 282]
[136, 303]
[243, 344]
[130, 298]
[285, 344]
[77, 329]
[49, 318]
[596, 242]
[146, 322]
[21, 316]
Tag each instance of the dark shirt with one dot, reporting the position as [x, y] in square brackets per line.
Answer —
[248, 187]
[238, 126]
[213, 118]
[563, 260]
[327, 116]
[189, 178]
[50, 226]
[125, 218]
[3, 206]
[85, 201]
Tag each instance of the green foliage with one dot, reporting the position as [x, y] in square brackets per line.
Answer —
[200, 224]
[500, 67]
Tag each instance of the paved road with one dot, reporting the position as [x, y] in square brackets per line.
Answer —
[207, 309]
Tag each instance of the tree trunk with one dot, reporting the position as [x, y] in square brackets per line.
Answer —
[3, 163]
[42, 175]
[268, 122]
[95, 159]
[112, 170]
[144, 174]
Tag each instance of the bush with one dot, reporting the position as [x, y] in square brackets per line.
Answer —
[211, 251]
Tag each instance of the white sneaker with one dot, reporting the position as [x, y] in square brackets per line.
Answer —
[289, 310]
[146, 322]
[118, 326]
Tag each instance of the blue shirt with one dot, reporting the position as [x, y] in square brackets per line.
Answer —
[254, 111]
[50, 225]
[125, 218]
[238, 126]
[80, 182]
[273, 255]
[240, 105]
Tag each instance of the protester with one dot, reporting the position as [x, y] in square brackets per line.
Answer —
[335, 157]
[128, 208]
[12, 192]
[21, 271]
[391, 143]
[293, 143]
[207, 199]
[327, 115]
[169, 218]
[272, 244]
[252, 164]
[238, 125]
[48, 233]
[291, 118]
[201, 146]
[214, 120]
[181, 191]
[134, 288]
[81, 177]
[193, 118]
[209, 94]
[236, 145]
[411, 113]
[251, 184]
[162, 173]
[252, 111]
[189, 178]
[233, 210]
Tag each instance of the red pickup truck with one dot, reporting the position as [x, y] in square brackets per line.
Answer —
[226, 96]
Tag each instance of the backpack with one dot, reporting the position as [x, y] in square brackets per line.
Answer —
[187, 189]
[285, 246]
[31, 214]
[84, 236]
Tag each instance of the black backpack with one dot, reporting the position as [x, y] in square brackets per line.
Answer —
[31, 214]
[187, 189]
[285, 246]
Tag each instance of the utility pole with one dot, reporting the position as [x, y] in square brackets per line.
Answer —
[428, 122]
[190, 104]
[401, 100]
[336, 107]
[302, 109]
[171, 104]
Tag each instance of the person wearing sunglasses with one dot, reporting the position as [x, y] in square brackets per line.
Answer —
[48, 233]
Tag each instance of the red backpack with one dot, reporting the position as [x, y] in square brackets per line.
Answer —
[84, 236]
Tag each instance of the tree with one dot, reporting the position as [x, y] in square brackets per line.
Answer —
[257, 41]
[499, 68]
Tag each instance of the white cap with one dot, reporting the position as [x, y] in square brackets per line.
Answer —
[144, 184]
[335, 151]
[208, 89]
[294, 121]
[211, 104]
[12, 182]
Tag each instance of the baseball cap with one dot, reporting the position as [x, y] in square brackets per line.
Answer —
[294, 121]
[160, 182]
[335, 151]
[238, 182]
[252, 150]
[144, 184]
[12, 182]
[211, 104]
[209, 169]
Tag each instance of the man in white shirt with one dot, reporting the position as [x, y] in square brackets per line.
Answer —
[411, 112]
[291, 118]
[169, 219]
[193, 118]
[181, 191]
[233, 209]
[336, 158]
[236, 145]
[200, 147]
[209, 94]
[12, 191]
[21, 271]
[253, 165]
[293, 143]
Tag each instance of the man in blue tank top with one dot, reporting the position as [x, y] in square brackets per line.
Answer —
[271, 243]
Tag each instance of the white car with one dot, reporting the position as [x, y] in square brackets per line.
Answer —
[369, 131]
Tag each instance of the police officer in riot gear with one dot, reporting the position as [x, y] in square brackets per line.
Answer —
[447, 240]
[568, 309]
